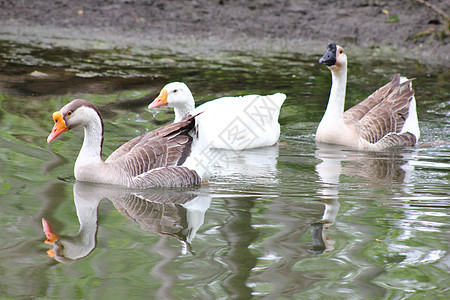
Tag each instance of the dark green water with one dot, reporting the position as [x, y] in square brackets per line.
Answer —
[294, 221]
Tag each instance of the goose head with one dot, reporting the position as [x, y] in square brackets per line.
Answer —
[174, 94]
[77, 113]
[334, 58]
[67, 249]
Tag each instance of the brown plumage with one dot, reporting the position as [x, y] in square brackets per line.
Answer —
[384, 112]
[152, 159]
[385, 119]
[168, 146]
[160, 212]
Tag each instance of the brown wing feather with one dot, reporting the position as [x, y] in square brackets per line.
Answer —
[394, 139]
[164, 147]
[388, 116]
[158, 212]
[361, 109]
[167, 177]
[383, 112]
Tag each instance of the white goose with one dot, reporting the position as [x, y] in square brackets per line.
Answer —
[158, 158]
[234, 123]
[386, 118]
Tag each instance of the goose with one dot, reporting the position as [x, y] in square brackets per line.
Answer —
[235, 123]
[163, 157]
[177, 213]
[386, 118]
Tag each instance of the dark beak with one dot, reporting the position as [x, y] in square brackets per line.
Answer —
[329, 58]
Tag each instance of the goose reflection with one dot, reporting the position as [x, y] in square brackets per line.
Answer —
[174, 212]
[388, 166]
[258, 164]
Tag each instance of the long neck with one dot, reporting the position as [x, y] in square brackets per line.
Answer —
[92, 144]
[86, 203]
[335, 108]
[183, 108]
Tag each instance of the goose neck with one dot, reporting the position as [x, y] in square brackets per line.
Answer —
[87, 216]
[335, 108]
[183, 110]
[92, 144]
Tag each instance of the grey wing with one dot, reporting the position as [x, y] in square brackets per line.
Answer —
[167, 146]
[387, 116]
[156, 211]
[168, 177]
[125, 148]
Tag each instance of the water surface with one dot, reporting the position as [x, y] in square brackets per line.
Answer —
[296, 220]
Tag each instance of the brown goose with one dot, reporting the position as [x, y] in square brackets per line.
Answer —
[177, 213]
[157, 158]
[386, 118]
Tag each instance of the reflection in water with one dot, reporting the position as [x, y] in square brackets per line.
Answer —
[240, 234]
[389, 166]
[400, 230]
[170, 212]
[257, 164]
[321, 242]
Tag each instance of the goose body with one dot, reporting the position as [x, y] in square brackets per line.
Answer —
[158, 158]
[235, 123]
[386, 118]
[166, 212]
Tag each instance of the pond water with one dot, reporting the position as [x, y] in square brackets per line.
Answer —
[292, 221]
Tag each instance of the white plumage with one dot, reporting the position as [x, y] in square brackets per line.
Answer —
[235, 123]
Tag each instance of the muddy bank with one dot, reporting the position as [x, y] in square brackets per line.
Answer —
[203, 27]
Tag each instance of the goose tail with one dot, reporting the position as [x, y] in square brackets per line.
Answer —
[412, 122]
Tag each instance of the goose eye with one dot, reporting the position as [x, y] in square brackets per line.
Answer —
[175, 91]
[69, 113]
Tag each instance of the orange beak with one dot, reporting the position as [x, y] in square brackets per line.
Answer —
[160, 101]
[52, 236]
[51, 253]
[59, 128]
